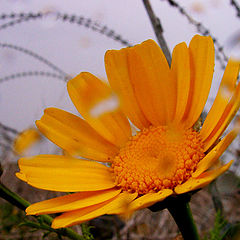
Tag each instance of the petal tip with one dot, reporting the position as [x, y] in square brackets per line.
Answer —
[21, 176]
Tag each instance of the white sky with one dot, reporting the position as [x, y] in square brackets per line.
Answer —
[75, 48]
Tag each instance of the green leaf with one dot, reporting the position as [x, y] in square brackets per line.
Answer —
[219, 229]
[86, 231]
[233, 232]
[45, 234]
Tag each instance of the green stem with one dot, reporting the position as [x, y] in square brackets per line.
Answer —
[13, 198]
[21, 203]
[182, 215]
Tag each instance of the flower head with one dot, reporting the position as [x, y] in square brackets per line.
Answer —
[166, 156]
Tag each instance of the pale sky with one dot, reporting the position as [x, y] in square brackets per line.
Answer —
[75, 48]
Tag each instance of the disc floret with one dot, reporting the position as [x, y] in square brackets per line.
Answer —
[157, 158]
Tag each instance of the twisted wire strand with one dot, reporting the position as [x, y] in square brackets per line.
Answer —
[236, 6]
[17, 18]
[36, 56]
[20, 19]
[8, 129]
[13, 15]
[30, 74]
[5, 146]
[220, 54]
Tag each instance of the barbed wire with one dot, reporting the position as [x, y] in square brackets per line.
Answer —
[6, 16]
[29, 74]
[17, 18]
[64, 17]
[7, 136]
[95, 26]
[8, 129]
[5, 146]
[22, 18]
[236, 6]
[36, 56]
[220, 54]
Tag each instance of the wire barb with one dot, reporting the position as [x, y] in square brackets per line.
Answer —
[8, 129]
[220, 54]
[236, 6]
[17, 18]
[36, 56]
[31, 73]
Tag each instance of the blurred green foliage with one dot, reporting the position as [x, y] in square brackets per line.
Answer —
[14, 225]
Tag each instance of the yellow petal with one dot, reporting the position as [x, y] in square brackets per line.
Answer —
[25, 140]
[150, 77]
[224, 94]
[216, 152]
[121, 205]
[21, 176]
[116, 64]
[149, 199]
[71, 202]
[85, 214]
[65, 174]
[201, 51]
[180, 71]
[74, 135]
[98, 106]
[203, 180]
[72, 218]
[227, 116]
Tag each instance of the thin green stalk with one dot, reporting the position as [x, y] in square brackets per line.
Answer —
[13, 198]
[21, 203]
[182, 215]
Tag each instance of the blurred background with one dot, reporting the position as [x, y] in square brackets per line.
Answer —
[45, 43]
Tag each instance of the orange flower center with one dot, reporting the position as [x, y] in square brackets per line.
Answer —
[157, 158]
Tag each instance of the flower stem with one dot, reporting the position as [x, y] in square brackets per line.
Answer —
[158, 30]
[13, 198]
[182, 215]
[21, 203]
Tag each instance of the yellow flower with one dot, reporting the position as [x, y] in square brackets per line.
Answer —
[165, 157]
[25, 140]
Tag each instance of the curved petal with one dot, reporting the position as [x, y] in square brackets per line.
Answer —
[180, 71]
[71, 202]
[115, 205]
[121, 206]
[150, 77]
[21, 176]
[227, 116]
[25, 140]
[65, 174]
[201, 50]
[225, 92]
[77, 216]
[117, 69]
[96, 103]
[74, 135]
[149, 199]
[203, 180]
[216, 152]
